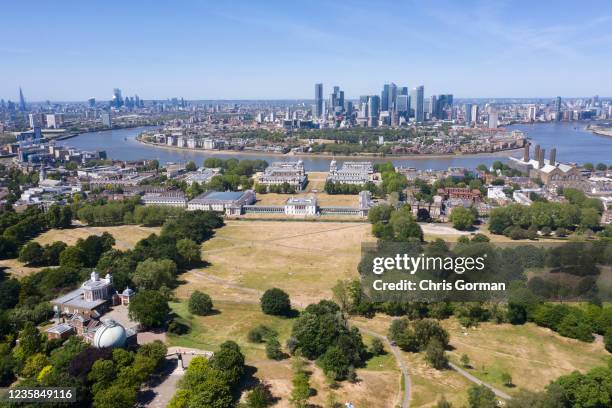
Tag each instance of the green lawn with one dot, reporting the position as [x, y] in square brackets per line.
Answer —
[232, 321]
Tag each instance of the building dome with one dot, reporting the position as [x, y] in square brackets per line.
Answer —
[110, 334]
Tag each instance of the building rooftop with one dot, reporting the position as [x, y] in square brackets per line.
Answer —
[75, 299]
[220, 195]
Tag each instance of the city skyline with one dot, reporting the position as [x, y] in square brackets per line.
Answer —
[274, 50]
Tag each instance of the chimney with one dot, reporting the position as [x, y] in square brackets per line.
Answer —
[553, 157]
[526, 152]
[536, 152]
[541, 158]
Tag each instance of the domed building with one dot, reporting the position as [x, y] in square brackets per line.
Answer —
[109, 334]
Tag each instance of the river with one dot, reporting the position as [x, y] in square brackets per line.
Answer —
[573, 144]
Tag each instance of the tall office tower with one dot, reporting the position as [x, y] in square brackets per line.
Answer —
[22, 102]
[401, 105]
[117, 101]
[493, 118]
[467, 115]
[337, 100]
[558, 108]
[384, 97]
[474, 115]
[402, 90]
[318, 111]
[391, 97]
[106, 120]
[417, 103]
[363, 109]
[433, 106]
[36, 120]
[348, 107]
[445, 103]
[531, 113]
[92, 102]
[373, 109]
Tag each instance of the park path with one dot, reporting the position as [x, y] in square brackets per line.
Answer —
[400, 362]
[475, 380]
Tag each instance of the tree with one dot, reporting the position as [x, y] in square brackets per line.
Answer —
[275, 302]
[260, 334]
[465, 361]
[377, 348]
[506, 379]
[152, 274]
[260, 396]
[335, 363]
[462, 218]
[200, 303]
[230, 361]
[51, 253]
[301, 390]
[9, 293]
[149, 307]
[479, 396]
[608, 339]
[589, 218]
[435, 356]
[8, 247]
[102, 374]
[115, 396]
[31, 254]
[190, 251]
[443, 403]
[274, 350]
[191, 166]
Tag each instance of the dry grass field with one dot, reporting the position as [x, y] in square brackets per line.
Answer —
[233, 320]
[126, 236]
[521, 351]
[305, 259]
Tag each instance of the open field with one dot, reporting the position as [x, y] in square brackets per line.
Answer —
[233, 320]
[126, 236]
[428, 385]
[305, 259]
[16, 269]
[521, 351]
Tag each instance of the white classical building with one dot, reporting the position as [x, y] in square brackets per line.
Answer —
[303, 206]
[291, 173]
[350, 172]
[168, 198]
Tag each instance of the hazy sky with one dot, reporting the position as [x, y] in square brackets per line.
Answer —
[278, 49]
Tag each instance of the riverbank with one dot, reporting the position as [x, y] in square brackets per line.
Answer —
[600, 132]
[501, 153]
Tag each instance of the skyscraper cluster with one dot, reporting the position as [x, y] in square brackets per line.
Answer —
[395, 105]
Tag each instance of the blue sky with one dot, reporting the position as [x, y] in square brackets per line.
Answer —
[278, 49]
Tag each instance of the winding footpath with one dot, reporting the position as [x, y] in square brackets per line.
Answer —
[400, 362]
[394, 349]
[475, 380]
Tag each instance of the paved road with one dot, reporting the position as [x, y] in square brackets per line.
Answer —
[475, 380]
[400, 362]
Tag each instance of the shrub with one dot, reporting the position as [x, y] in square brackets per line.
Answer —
[260, 334]
[275, 302]
[377, 348]
[200, 303]
[435, 356]
[274, 350]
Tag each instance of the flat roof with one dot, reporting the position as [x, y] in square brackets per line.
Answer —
[222, 195]
[75, 299]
